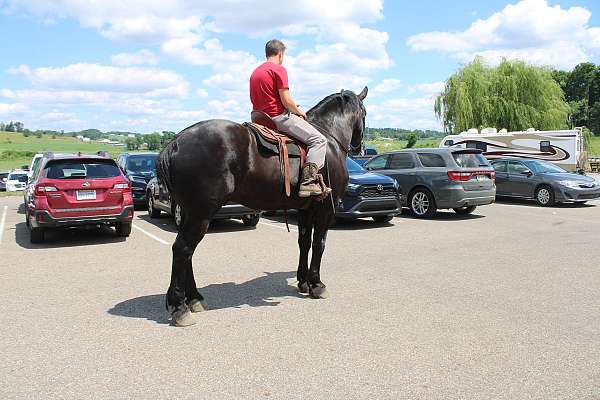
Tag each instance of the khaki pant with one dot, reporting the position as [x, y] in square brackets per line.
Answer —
[301, 130]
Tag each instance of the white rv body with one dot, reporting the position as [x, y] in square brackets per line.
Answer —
[563, 147]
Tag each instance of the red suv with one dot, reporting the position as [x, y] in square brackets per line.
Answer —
[77, 189]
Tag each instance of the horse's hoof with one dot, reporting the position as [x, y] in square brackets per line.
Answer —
[303, 287]
[184, 318]
[197, 306]
[319, 292]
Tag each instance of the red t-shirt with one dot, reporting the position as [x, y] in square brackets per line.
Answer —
[265, 82]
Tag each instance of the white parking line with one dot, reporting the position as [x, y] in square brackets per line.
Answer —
[2, 221]
[278, 226]
[145, 232]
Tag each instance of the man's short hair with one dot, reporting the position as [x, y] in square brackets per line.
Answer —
[274, 47]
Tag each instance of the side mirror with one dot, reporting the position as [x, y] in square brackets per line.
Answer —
[527, 172]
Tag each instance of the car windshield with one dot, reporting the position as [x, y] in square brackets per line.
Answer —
[80, 169]
[540, 167]
[146, 163]
[470, 160]
[18, 177]
[353, 166]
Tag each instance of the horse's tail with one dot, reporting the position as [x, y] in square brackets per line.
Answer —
[163, 164]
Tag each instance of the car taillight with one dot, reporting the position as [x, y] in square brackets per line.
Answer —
[459, 176]
[40, 190]
[122, 186]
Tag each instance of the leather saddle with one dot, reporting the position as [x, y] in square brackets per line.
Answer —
[272, 141]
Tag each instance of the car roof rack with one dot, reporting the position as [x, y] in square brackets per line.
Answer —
[103, 153]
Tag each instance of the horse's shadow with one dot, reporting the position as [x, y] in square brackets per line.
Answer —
[263, 291]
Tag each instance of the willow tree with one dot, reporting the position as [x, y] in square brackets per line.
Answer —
[513, 95]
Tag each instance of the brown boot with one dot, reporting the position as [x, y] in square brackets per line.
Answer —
[310, 183]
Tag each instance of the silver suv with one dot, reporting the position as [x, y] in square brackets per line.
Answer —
[435, 178]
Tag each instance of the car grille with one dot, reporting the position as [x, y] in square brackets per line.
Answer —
[373, 192]
[587, 185]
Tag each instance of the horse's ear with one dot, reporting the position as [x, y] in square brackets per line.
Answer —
[363, 94]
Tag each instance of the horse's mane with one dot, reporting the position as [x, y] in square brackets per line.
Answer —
[325, 106]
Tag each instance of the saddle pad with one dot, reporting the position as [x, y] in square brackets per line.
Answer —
[293, 149]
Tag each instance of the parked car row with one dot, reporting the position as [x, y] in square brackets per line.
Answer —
[63, 190]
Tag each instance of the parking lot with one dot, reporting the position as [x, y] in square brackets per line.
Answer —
[500, 304]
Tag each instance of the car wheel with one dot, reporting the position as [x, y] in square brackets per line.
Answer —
[250, 220]
[382, 219]
[36, 235]
[152, 211]
[177, 215]
[421, 203]
[123, 229]
[544, 195]
[464, 210]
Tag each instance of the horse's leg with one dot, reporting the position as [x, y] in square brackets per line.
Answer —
[182, 278]
[322, 221]
[305, 227]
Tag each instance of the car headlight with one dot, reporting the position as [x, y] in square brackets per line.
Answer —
[569, 184]
[396, 184]
[353, 186]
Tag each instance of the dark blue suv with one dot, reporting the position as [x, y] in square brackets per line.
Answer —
[139, 168]
[369, 195]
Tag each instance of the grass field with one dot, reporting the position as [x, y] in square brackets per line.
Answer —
[17, 150]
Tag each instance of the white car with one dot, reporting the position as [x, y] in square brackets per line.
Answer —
[16, 181]
[34, 163]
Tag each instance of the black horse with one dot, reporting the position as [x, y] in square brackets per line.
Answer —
[217, 161]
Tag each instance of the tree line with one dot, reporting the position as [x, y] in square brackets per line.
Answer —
[515, 95]
[400, 134]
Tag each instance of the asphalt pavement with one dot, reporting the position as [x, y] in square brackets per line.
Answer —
[502, 304]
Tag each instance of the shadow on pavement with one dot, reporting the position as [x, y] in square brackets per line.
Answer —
[258, 292]
[217, 226]
[68, 237]
[340, 223]
[444, 215]
[533, 203]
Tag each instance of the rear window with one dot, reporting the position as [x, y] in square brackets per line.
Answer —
[81, 169]
[431, 160]
[470, 160]
[18, 177]
[141, 163]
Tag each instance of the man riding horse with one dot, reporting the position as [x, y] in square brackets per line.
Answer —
[270, 93]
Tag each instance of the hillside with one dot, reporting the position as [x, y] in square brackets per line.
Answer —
[17, 150]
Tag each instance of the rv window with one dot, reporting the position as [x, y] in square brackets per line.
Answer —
[475, 144]
[431, 160]
[545, 146]
[449, 142]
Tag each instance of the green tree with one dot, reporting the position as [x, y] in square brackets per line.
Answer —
[153, 140]
[412, 140]
[131, 144]
[514, 95]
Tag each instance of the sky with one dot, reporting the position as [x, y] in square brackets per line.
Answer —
[153, 65]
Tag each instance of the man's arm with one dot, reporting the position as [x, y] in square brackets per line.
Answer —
[289, 103]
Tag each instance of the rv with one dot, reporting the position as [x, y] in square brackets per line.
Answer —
[564, 148]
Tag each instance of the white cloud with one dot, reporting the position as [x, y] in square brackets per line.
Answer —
[410, 113]
[531, 30]
[8, 109]
[202, 92]
[141, 57]
[387, 85]
[95, 77]
[427, 88]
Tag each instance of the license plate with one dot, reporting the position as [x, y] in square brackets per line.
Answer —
[85, 194]
[482, 177]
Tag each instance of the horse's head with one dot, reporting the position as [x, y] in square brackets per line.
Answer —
[342, 115]
[358, 121]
